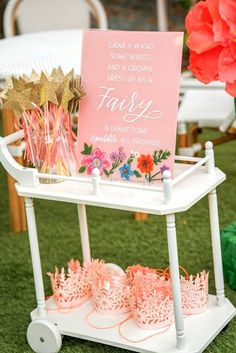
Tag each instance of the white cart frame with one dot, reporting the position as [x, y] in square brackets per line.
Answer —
[191, 183]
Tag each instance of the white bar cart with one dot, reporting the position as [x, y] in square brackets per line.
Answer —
[191, 183]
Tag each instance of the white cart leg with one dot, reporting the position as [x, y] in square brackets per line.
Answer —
[216, 247]
[35, 257]
[174, 270]
[84, 233]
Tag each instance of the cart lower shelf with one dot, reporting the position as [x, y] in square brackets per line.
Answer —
[200, 329]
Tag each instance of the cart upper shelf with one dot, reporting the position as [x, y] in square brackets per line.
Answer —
[142, 199]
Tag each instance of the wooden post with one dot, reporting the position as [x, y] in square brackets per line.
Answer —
[16, 203]
[192, 139]
[140, 216]
[182, 135]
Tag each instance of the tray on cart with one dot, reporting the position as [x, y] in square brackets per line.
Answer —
[200, 329]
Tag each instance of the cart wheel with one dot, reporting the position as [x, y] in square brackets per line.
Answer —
[115, 267]
[44, 337]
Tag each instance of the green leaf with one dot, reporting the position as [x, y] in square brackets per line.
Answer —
[87, 149]
[82, 169]
[137, 174]
[165, 154]
[155, 158]
[130, 160]
[160, 156]
[106, 172]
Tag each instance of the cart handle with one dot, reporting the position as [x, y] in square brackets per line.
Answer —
[25, 176]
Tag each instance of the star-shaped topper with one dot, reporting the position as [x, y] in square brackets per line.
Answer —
[30, 92]
[66, 95]
[22, 83]
[57, 74]
[18, 101]
[48, 90]
[78, 91]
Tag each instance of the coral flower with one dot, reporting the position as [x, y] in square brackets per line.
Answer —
[96, 160]
[211, 26]
[145, 163]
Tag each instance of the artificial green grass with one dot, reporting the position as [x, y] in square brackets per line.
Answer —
[115, 237]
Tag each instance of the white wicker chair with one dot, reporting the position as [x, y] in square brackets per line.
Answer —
[203, 107]
[29, 16]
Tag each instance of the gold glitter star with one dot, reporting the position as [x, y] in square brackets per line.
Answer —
[23, 83]
[77, 90]
[70, 74]
[34, 76]
[18, 101]
[28, 92]
[66, 96]
[18, 84]
[47, 90]
[8, 82]
[76, 87]
[57, 74]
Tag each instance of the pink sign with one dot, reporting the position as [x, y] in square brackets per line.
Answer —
[127, 121]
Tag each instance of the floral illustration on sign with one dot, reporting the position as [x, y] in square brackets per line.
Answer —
[147, 163]
[126, 172]
[136, 165]
[94, 159]
[116, 158]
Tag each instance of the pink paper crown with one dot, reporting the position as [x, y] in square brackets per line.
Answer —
[150, 297]
[109, 293]
[74, 287]
[194, 290]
